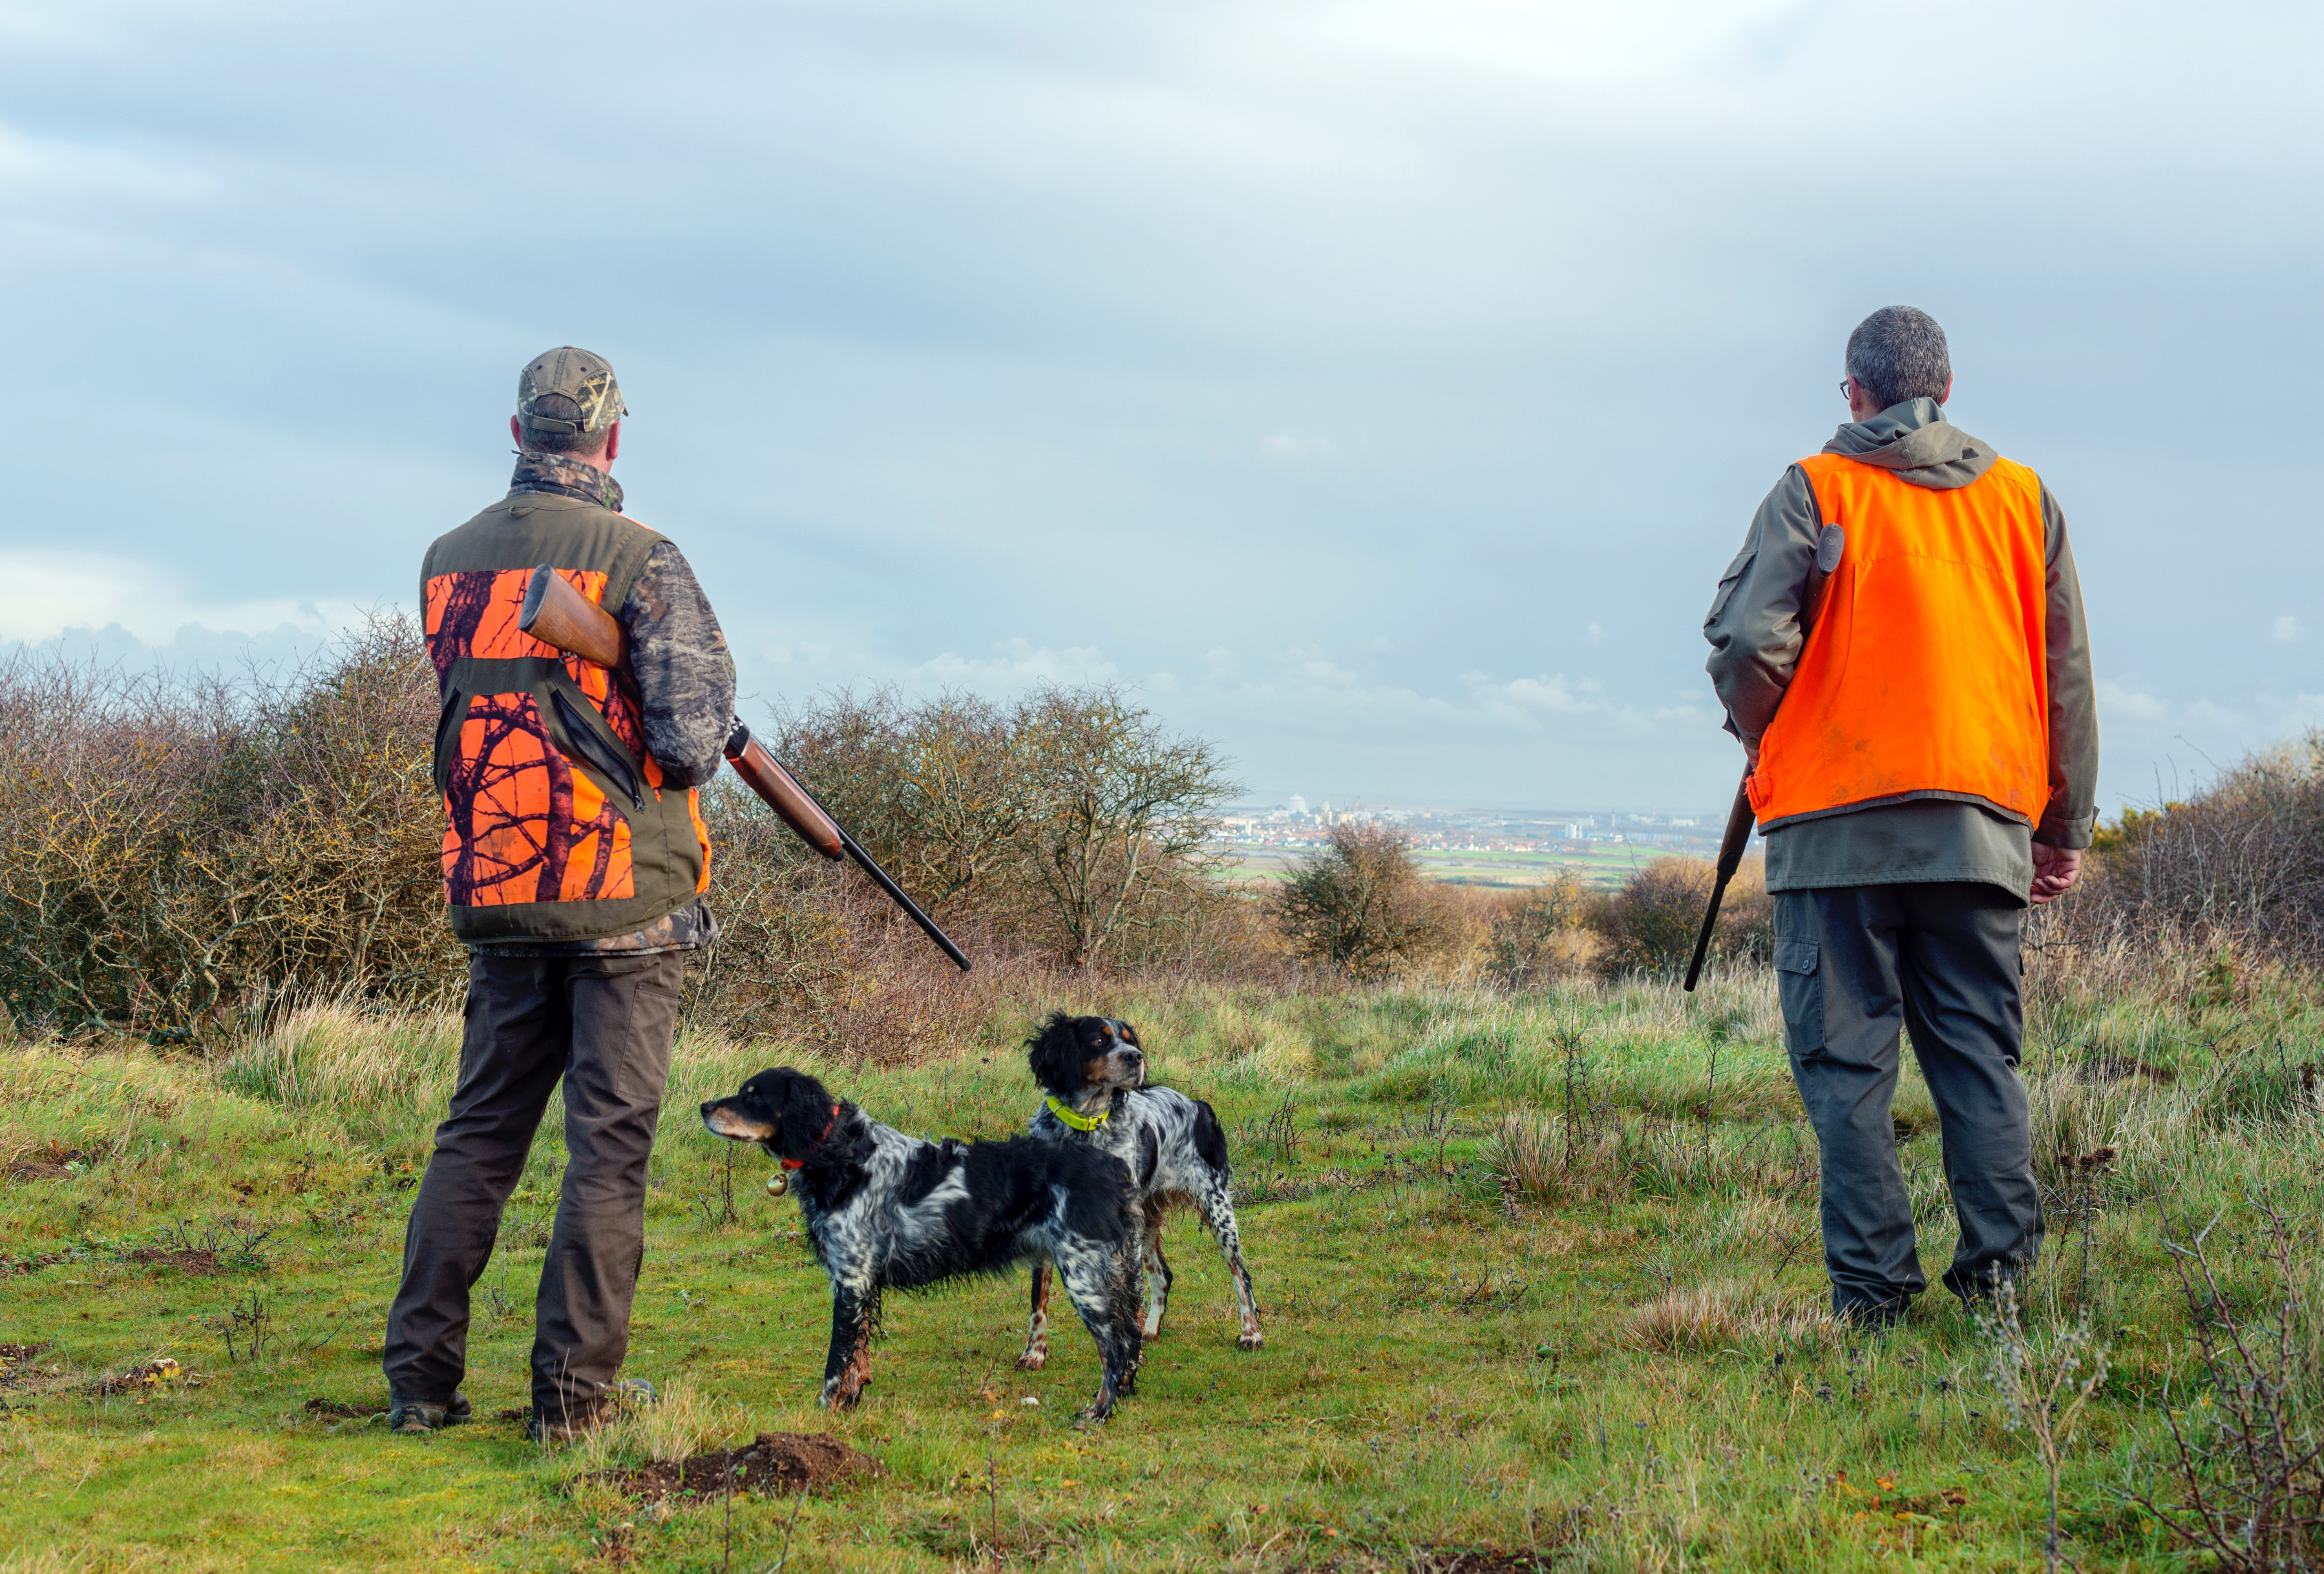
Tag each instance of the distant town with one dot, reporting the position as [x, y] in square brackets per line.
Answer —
[1469, 845]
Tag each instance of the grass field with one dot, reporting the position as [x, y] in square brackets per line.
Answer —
[1540, 1275]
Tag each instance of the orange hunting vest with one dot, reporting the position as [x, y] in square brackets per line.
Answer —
[1925, 675]
[558, 824]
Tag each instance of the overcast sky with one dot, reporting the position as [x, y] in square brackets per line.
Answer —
[1378, 387]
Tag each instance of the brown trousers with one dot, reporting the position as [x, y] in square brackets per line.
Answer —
[605, 1024]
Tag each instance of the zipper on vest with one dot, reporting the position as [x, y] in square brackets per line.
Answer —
[594, 751]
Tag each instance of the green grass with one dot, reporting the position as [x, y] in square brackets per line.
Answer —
[1625, 1366]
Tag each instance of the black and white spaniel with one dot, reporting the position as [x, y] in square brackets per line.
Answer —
[1093, 1072]
[889, 1211]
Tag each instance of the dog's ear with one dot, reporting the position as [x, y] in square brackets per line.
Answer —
[1054, 1056]
[798, 1107]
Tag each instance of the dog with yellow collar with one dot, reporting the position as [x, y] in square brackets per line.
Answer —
[1092, 1074]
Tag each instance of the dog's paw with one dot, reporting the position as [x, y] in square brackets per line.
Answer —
[1032, 1360]
[1252, 1341]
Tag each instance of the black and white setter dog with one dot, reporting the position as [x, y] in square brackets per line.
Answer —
[1094, 1071]
[889, 1211]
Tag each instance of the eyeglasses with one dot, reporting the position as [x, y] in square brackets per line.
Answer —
[1844, 382]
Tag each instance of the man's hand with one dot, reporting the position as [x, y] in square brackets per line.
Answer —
[2055, 870]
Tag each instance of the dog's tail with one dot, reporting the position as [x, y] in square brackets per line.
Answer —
[1210, 1137]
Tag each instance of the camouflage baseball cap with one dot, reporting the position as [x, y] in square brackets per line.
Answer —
[573, 375]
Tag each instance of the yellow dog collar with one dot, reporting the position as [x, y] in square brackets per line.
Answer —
[1074, 1119]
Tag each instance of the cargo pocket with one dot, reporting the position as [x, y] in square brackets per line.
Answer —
[1799, 986]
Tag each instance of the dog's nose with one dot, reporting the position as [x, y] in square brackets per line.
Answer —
[707, 1104]
[1133, 1053]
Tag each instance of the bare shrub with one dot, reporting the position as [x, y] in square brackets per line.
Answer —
[2249, 1470]
[1073, 822]
[2243, 859]
[1649, 926]
[1362, 906]
[174, 848]
[1544, 934]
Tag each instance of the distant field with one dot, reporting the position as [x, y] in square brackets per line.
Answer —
[1598, 864]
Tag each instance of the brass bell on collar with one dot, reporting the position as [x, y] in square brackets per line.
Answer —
[778, 1183]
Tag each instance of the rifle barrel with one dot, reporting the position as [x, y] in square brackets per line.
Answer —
[557, 614]
[1739, 820]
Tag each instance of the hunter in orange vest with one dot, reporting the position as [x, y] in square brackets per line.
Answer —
[1900, 647]
[575, 867]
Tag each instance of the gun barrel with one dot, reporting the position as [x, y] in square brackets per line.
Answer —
[784, 795]
[1739, 819]
[555, 614]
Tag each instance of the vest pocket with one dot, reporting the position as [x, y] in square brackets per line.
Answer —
[588, 740]
[448, 721]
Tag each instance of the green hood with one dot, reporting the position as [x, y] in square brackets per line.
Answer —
[1916, 440]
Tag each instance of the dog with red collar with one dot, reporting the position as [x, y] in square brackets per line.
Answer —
[887, 1211]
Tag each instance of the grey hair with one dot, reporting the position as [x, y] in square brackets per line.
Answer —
[1898, 353]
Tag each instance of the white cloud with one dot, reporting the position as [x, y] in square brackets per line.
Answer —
[2287, 629]
[44, 592]
[2117, 703]
[1163, 682]
[1015, 664]
[1284, 445]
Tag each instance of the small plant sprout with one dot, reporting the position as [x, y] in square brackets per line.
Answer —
[2042, 1383]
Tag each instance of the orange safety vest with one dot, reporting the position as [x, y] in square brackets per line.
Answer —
[1925, 675]
[557, 824]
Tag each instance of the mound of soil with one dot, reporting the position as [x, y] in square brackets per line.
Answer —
[340, 1410]
[52, 1162]
[137, 1379]
[776, 1462]
[1433, 1561]
[190, 1259]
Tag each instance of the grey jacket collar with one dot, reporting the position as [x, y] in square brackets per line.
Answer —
[1916, 441]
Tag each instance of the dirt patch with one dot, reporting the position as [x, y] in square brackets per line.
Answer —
[139, 1379]
[30, 1264]
[340, 1410]
[1432, 1561]
[13, 1368]
[187, 1259]
[776, 1462]
[51, 1161]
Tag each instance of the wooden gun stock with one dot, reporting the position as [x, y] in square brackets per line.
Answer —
[555, 614]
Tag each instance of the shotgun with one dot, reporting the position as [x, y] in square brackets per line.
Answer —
[1831, 543]
[555, 614]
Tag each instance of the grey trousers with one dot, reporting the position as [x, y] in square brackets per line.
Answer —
[605, 1024]
[1855, 964]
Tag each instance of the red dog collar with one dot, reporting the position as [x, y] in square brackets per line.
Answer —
[801, 1163]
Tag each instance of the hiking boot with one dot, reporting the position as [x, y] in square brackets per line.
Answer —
[578, 1422]
[416, 1418]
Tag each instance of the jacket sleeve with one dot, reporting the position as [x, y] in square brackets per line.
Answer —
[686, 675]
[2072, 814]
[1754, 623]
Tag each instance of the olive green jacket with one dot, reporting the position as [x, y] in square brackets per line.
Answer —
[1756, 639]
